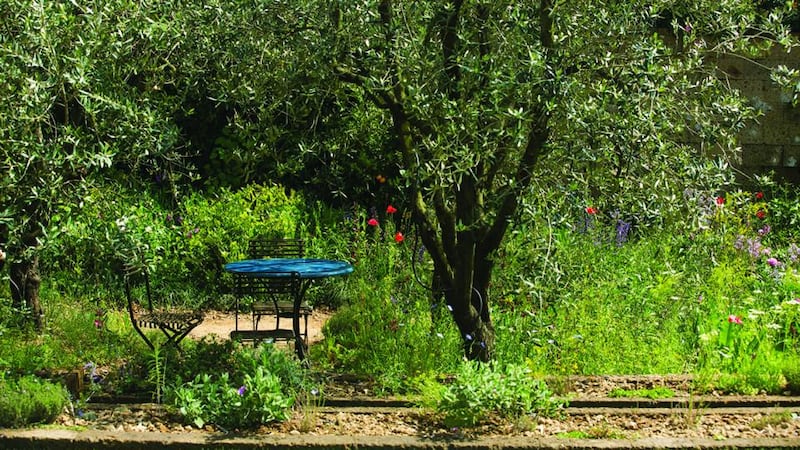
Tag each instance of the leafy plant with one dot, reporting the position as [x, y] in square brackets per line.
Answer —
[259, 386]
[258, 400]
[654, 393]
[772, 420]
[156, 373]
[601, 431]
[480, 391]
[29, 400]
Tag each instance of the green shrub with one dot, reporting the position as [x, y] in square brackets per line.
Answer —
[257, 401]
[480, 391]
[653, 393]
[184, 246]
[30, 400]
[791, 372]
[260, 386]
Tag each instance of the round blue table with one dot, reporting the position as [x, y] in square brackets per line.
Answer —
[306, 269]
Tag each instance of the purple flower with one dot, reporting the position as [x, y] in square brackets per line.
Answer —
[773, 262]
[241, 390]
[623, 228]
[794, 252]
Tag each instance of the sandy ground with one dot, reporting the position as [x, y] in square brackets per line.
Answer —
[222, 323]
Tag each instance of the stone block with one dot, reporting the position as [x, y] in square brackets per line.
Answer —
[762, 155]
[777, 130]
[791, 156]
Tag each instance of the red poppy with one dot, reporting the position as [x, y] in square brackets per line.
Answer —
[398, 237]
[761, 214]
[372, 222]
[759, 195]
[391, 209]
[720, 201]
[591, 210]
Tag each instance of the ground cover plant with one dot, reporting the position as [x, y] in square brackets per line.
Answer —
[30, 400]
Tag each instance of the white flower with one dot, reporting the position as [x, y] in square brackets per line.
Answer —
[121, 223]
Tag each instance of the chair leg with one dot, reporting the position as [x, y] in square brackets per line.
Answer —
[143, 335]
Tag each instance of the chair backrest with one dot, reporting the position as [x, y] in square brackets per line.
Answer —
[272, 287]
[276, 248]
[135, 279]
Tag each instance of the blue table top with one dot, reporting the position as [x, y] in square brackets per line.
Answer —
[307, 268]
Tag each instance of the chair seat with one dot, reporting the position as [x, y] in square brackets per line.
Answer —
[262, 335]
[172, 320]
[284, 308]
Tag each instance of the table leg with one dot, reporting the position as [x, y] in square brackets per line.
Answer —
[299, 342]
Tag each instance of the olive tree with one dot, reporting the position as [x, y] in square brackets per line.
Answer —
[82, 94]
[485, 98]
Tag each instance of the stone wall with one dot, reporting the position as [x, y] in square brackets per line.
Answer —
[772, 144]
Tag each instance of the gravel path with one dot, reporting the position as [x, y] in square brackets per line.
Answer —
[693, 418]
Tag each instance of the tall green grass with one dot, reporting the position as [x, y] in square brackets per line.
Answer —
[703, 296]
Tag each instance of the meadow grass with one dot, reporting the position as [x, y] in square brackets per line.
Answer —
[718, 300]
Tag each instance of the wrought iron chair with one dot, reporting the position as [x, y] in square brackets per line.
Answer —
[260, 248]
[276, 296]
[174, 323]
[276, 248]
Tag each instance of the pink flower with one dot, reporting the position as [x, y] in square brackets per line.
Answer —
[734, 319]
[720, 201]
[391, 209]
[591, 210]
[773, 262]
[398, 237]
[373, 222]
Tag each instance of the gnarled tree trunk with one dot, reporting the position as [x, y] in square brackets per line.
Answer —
[25, 282]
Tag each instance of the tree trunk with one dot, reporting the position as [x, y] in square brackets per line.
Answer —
[25, 282]
[477, 331]
[470, 311]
